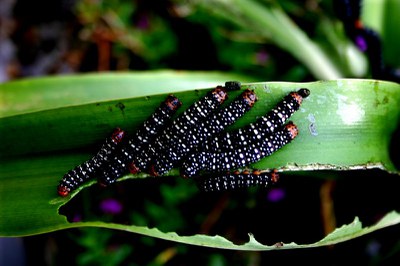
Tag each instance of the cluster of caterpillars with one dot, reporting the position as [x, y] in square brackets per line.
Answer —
[195, 141]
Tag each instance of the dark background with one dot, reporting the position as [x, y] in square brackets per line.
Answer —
[50, 37]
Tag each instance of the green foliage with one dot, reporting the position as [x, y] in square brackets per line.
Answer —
[383, 16]
[99, 251]
[285, 40]
[49, 125]
[114, 20]
[341, 128]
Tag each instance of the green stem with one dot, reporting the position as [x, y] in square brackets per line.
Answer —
[274, 24]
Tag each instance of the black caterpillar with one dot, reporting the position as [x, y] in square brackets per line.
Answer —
[258, 130]
[236, 179]
[172, 153]
[83, 172]
[253, 151]
[157, 147]
[183, 124]
[366, 39]
[144, 135]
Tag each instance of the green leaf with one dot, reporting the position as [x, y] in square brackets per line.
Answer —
[269, 21]
[344, 124]
[383, 17]
[30, 95]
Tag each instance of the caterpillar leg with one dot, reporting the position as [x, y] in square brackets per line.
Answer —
[83, 172]
[236, 180]
[232, 85]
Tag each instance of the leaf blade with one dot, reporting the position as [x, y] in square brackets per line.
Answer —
[366, 133]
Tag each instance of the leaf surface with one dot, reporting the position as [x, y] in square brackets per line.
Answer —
[344, 124]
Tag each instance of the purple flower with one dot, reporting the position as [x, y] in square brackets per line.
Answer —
[77, 218]
[276, 194]
[373, 248]
[143, 22]
[361, 43]
[111, 206]
[262, 57]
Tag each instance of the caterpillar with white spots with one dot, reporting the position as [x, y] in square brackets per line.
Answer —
[180, 127]
[83, 172]
[137, 161]
[258, 130]
[144, 135]
[237, 180]
[253, 151]
[196, 143]
[171, 154]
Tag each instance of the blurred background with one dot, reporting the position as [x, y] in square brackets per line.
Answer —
[292, 40]
[266, 40]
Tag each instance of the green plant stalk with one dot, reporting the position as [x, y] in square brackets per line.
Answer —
[273, 24]
[289, 36]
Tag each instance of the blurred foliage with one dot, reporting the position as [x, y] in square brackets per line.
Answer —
[270, 40]
[128, 29]
[243, 36]
[136, 35]
[383, 16]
